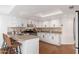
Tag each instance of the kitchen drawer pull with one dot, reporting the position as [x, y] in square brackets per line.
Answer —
[52, 37]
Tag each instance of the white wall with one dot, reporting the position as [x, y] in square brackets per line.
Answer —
[49, 23]
[67, 30]
[5, 22]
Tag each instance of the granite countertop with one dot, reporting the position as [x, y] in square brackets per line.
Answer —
[22, 37]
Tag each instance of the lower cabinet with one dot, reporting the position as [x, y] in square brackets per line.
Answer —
[51, 44]
[50, 38]
[46, 48]
[30, 46]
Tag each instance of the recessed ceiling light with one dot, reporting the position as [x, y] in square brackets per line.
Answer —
[51, 14]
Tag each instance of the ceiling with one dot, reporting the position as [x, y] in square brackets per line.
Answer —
[33, 11]
[6, 9]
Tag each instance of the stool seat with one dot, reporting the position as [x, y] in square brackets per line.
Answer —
[13, 42]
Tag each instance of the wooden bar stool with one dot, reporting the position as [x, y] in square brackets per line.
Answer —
[12, 44]
[7, 50]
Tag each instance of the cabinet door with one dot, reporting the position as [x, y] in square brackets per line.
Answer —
[50, 38]
[53, 39]
[57, 39]
[30, 46]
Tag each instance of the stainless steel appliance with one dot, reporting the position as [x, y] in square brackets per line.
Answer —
[76, 32]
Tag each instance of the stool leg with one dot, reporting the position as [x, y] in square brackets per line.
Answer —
[16, 50]
[20, 49]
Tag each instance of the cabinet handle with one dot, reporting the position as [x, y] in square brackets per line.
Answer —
[52, 37]
[43, 36]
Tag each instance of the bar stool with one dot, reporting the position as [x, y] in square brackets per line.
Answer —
[14, 42]
[11, 44]
[7, 50]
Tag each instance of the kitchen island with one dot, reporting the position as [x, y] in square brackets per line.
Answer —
[30, 43]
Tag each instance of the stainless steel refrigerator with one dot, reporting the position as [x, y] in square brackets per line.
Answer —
[76, 31]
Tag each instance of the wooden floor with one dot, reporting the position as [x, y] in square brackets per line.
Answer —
[46, 48]
[0, 52]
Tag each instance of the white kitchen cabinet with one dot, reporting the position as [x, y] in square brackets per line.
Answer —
[30, 46]
[39, 34]
[53, 39]
[50, 38]
[57, 39]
